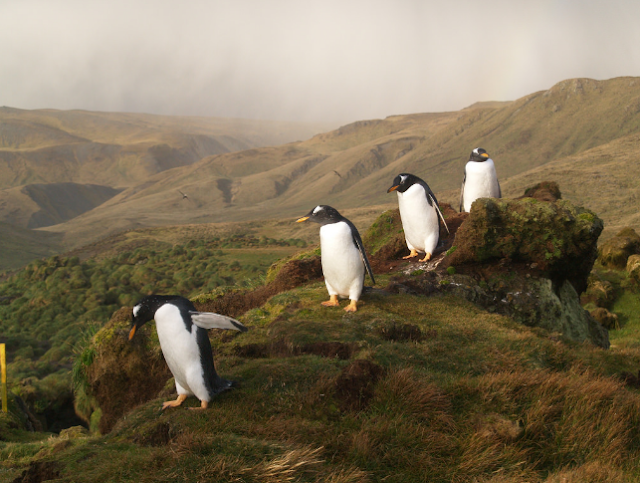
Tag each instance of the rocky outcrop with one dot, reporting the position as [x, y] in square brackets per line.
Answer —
[615, 252]
[554, 238]
[531, 301]
[526, 258]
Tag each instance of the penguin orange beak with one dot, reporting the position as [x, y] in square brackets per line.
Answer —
[304, 218]
[132, 332]
[393, 188]
[485, 155]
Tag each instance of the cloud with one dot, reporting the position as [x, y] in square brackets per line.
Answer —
[313, 60]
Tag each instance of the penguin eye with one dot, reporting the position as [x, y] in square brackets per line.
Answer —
[403, 178]
[136, 309]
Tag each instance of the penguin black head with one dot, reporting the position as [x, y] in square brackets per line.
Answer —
[323, 214]
[145, 310]
[403, 182]
[479, 154]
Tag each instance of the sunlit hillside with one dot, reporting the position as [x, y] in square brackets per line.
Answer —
[353, 165]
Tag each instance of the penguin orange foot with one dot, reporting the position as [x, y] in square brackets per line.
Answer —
[203, 405]
[411, 255]
[332, 302]
[174, 404]
[352, 307]
[426, 258]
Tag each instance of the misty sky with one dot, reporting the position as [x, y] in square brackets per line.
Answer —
[336, 61]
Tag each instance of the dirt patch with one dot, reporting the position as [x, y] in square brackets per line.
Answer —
[159, 434]
[281, 348]
[544, 191]
[355, 385]
[293, 274]
[631, 380]
[39, 471]
[397, 331]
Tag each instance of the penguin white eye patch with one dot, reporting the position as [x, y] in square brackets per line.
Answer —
[136, 309]
[403, 178]
[317, 208]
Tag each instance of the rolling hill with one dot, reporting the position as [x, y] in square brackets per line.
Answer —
[122, 149]
[578, 121]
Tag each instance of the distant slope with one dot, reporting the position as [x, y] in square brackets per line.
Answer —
[18, 246]
[122, 149]
[39, 205]
[353, 165]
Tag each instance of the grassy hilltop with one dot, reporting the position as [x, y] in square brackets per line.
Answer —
[412, 387]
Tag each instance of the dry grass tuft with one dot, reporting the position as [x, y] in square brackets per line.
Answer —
[594, 472]
[288, 466]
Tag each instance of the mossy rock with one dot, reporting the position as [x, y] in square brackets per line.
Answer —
[615, 252]
[633, 268]
[113, 375]
[557, 236]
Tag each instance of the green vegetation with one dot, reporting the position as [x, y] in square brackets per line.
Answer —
[53, 306]
[472, 395]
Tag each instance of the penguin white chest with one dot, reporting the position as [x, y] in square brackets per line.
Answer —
[481, 182]
[342, 264]
[419, 219]
[180, 349]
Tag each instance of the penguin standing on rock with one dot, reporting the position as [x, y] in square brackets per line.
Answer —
[185, 344]
[480, 179]
[342, 254]
[420, 214]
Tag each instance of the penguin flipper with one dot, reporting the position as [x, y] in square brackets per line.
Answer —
[358, 242]
[435, 203]
[209, 320]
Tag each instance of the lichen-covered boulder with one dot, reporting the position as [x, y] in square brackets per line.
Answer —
[615, 252]
[557, 238]
[113, 375]
[633, 267]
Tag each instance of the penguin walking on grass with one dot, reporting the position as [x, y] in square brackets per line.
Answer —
[182, 332]
[420, 214]
[342, 254]
[480, 179]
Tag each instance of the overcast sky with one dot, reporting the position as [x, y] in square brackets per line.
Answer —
[324, 60]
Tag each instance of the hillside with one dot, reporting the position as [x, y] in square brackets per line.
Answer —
[122, 149]
[418, 385]
[39, 205]
[353, 165]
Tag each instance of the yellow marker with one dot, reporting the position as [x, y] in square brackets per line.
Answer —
[3, 381]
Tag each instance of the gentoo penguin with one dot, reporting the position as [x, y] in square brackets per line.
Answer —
[480, 179]
[185, 344]
[342, 254]
[420, 214]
